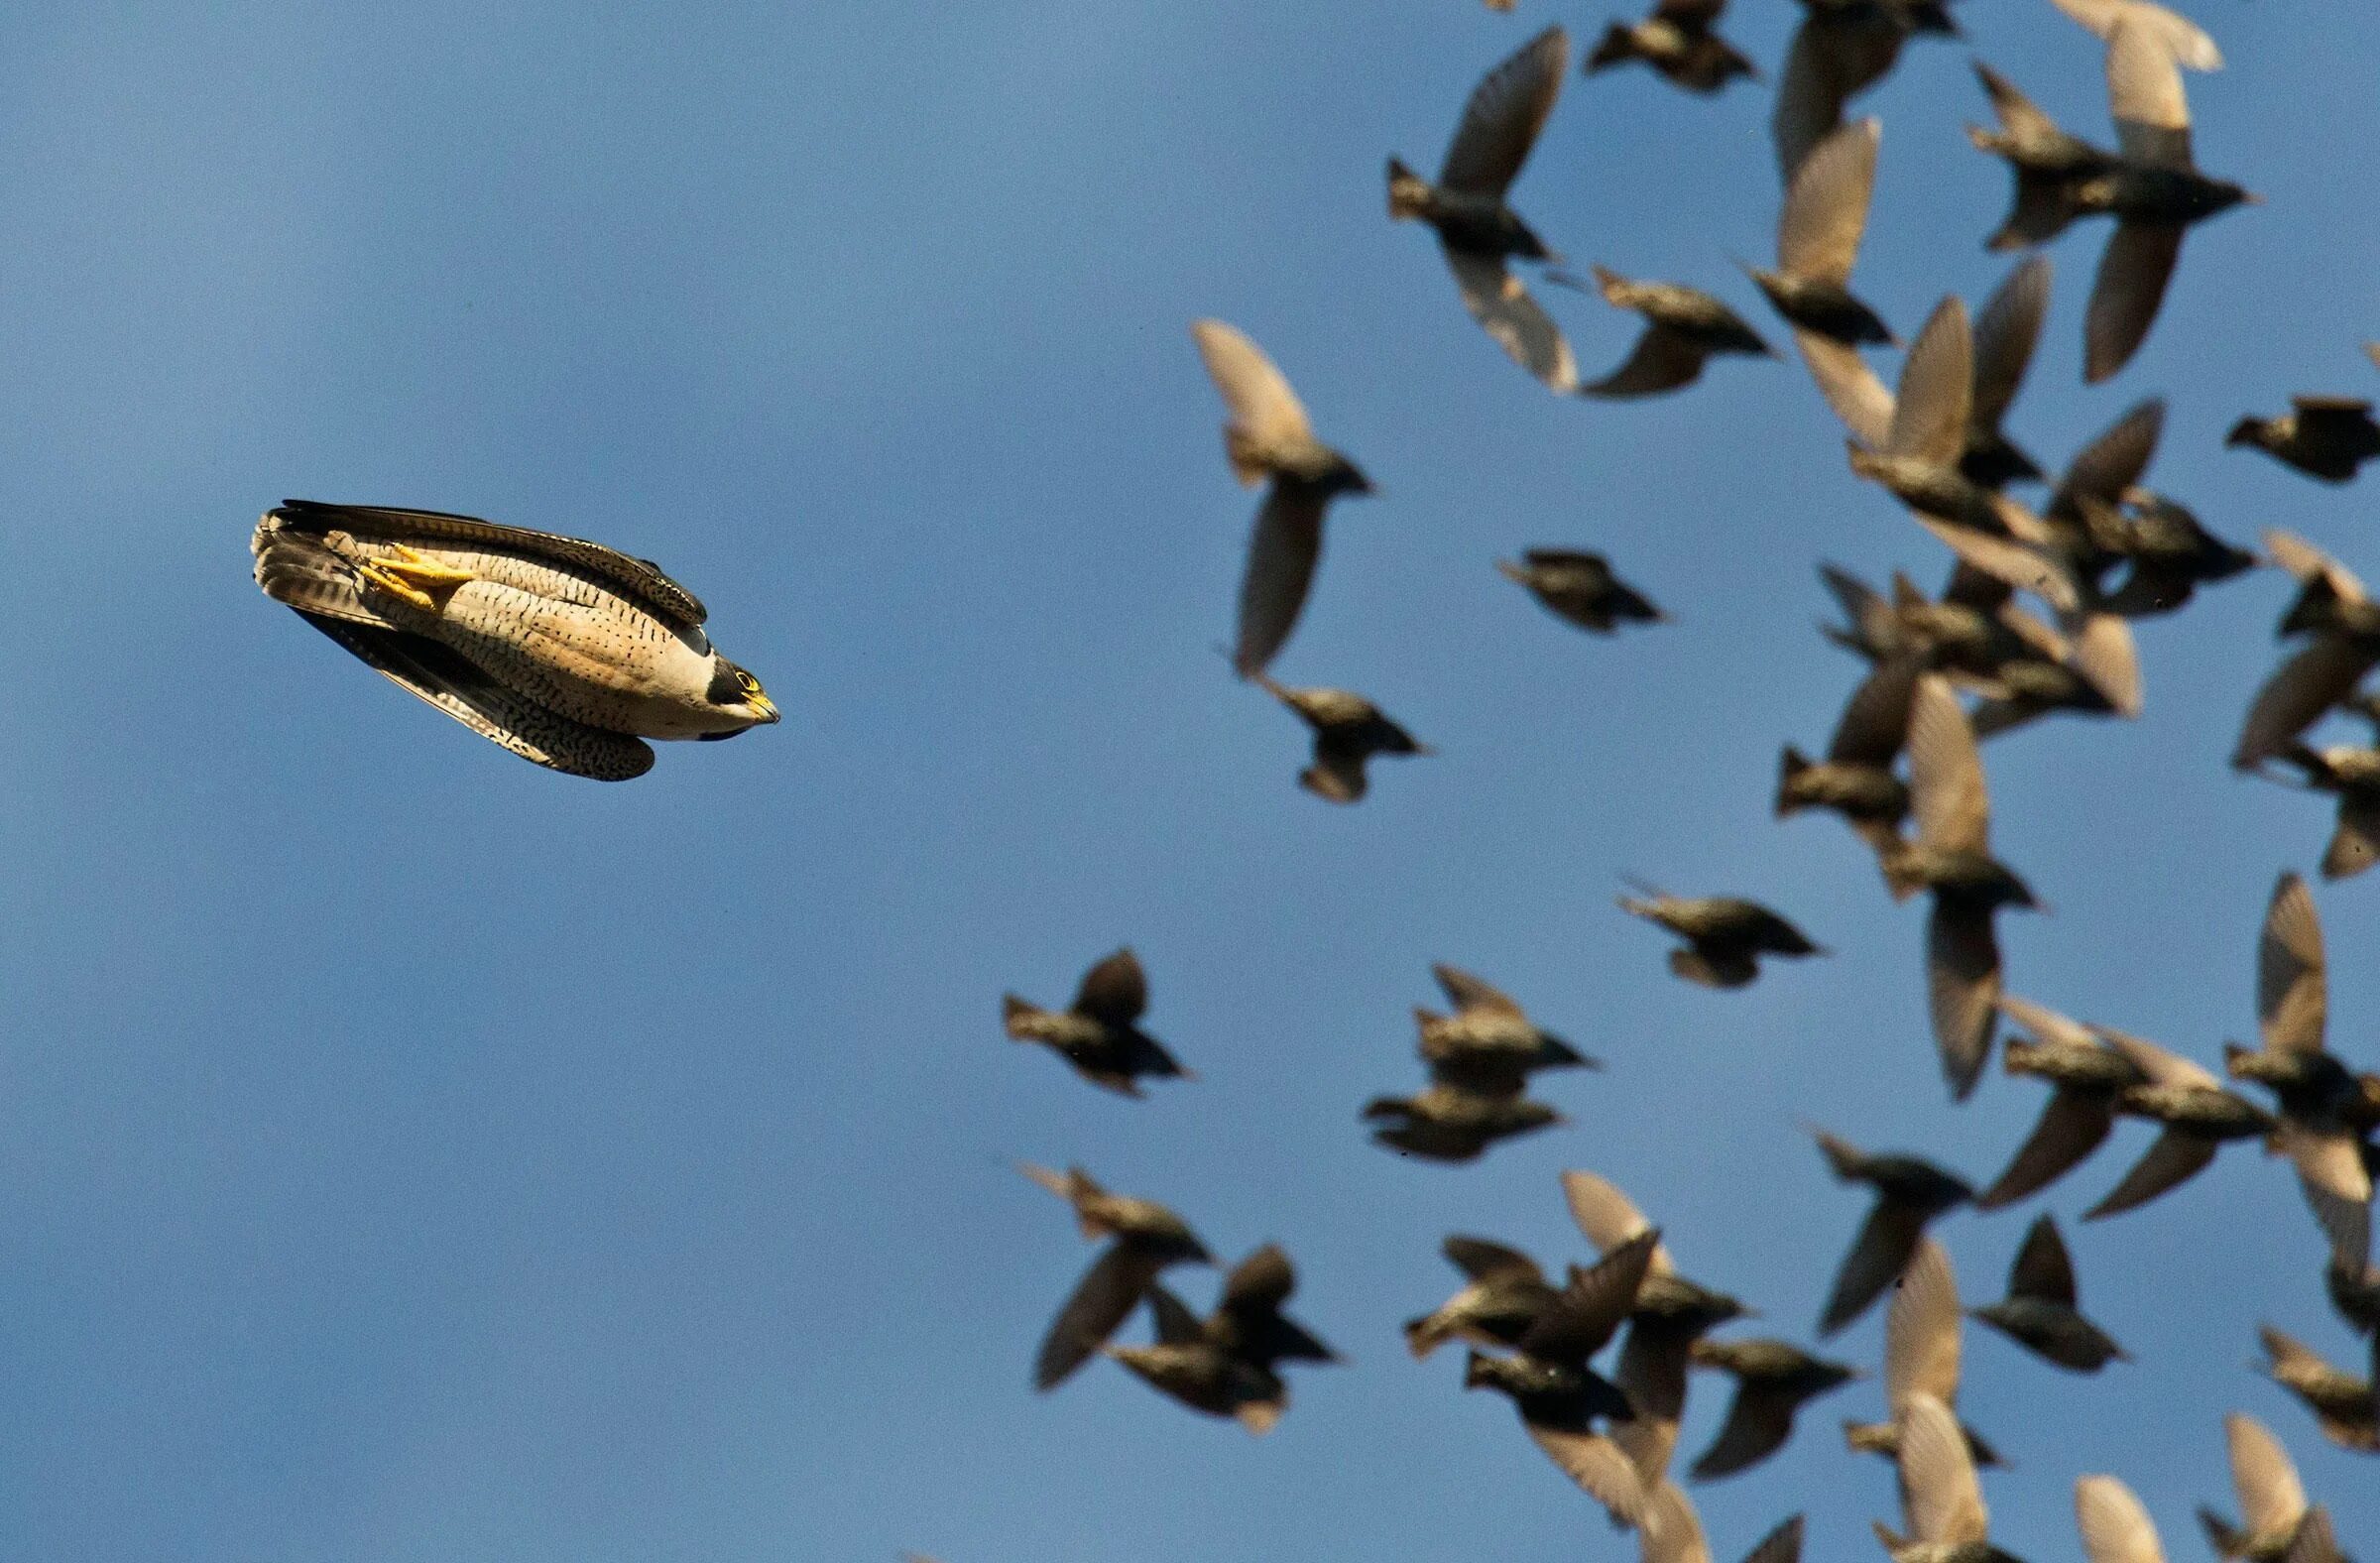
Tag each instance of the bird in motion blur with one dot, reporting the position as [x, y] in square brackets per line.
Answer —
[1228, 1364]
[2085, 1073]
[1911, 1193]
[2343, 1403]
[1268, 441]
[2341, 627]
[1944, 1519]
[1726, 935]
[2351, 772]
[2116, 1528]
[1580, 588]
[1856, 780]
[2272, 1500]
[2323, 436]
[1489, 1044]
[564, 652]
[1672, 1532]
[1503, 1294]
[1775, 1380]
[1684, 328]
[1348, 731]
[2150, 184]
[2043, 1310]
[1818, 242]
[1680, 41]
[1143, 1237]
[1922, 1354]
[2199, 1117]
[1840, 49]
[1099, 1032]
[1478, 233]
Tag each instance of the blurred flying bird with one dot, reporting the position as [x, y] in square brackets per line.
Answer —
[1144, 1238]
[1581, 588]
[567, 652]
[1348, 731]
[2116, 1528]
[1268, 441]
[1922, 1349]
[2343, 625]
[1840, 49]
[1489, 1044]
[1944, 1519]
[1478, 233]
[1725, 935]
[2085, 1075]
[1099, 1032]
[1448, 1123]
[1856, 780]
[2343, 1405]
[2199, 1116]
[1678, 40]
[1817, 241]
[1673, 1533]
[2043, 1312]
[1910, 1194]
[1504, 1294]
[1226, 1365]
[1951, 856]
[1684, 326]
[2323, 437]
[2272, 1501]
[1773, 1382]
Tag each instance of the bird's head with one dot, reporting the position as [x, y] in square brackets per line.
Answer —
[736, 696]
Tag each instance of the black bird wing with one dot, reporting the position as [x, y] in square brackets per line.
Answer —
[2174, 1159]
[1114, 992]
[2043, 1268]
[1105, 1297]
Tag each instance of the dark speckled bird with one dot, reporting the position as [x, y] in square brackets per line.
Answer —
[2272, 1500]
[1922, 1350]
[1773, 1381]
[1910, 1194]
[1559, 1395]
[1268, 441]
[1099, 1032]
[2323, 437]
[1725, 935]
[2352, 776]
[2085, 1075]
[1503, 1292]
[2170, 553]
[2043, 1312]
[1678, 40]
[1477, 230]
[1489, 1045]
[2342, 1403]
[2341, 623]
[1951, 856]
[2199, 1116]
[1684, 328]
[1446, 1123]
[1228, 1364]
[1580, 588]
[1671, 1316]
[1818, 240]
[2321, 1102]
[1144, 1238]
[2151, 188]
[1348, 731]
[1856, 780]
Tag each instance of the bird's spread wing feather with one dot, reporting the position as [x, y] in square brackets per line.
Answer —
[1507, 111]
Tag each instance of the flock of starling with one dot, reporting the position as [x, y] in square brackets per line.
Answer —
[1941, 674]
[572, 654]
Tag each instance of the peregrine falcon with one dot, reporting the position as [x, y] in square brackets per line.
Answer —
[563, 652]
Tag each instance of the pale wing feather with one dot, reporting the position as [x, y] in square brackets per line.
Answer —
[2271, 1498]
[1930, 413]
[1947, 794]
[1922, 1331]
[1515, 321]
[2292, 990]
[2116, 1528]
[2125, 294]
[1256, 394]
[1851, 389]
[1826, 210]
[2004, 338]
[1940, 1497]
[2182, 39]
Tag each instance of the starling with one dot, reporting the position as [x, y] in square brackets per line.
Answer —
[1773, 1381]
[1684, 326]
[2323, 437]
[1974, 635]
[1951, 857]
[1725, 935]
[2343, 624]
[1670, 1317]
[1504, 1294]
[1099, 1034]
[1268, 441]
[1478, 231]
[2114, 1526]
[1817, 241]
[1348, 731]
[1450, 1124]
[1226, 1364]
[1840, 49]
[2352, 776]
[2182, 39]
[2045, 159]
[1489, 1045]
[2343, 1405]
[1673, 1533]
[2150, 185]
[1910, 1194]
[1143, 1238]
[2321, 1100]
[1942, 1505]
[2041, 1312]
[1856, 780]
[1922, 1348]
[2272, 1502]
[2169, 552]
[1678, 40]
[1559, 1395]
[1580, 588]
[1919, 463]
[2199, 1116]
[2085, 1075]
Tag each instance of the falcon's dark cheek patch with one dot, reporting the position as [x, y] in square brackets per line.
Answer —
[725, 688]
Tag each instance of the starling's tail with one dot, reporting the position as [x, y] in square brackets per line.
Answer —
[1791, 763]
[1408, 191]
[1616, 47]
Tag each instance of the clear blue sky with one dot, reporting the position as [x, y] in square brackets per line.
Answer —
[407, 1154]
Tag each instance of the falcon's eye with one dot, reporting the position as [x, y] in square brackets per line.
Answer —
[748, 683]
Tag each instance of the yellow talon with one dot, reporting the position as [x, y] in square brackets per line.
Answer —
[414, 577]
